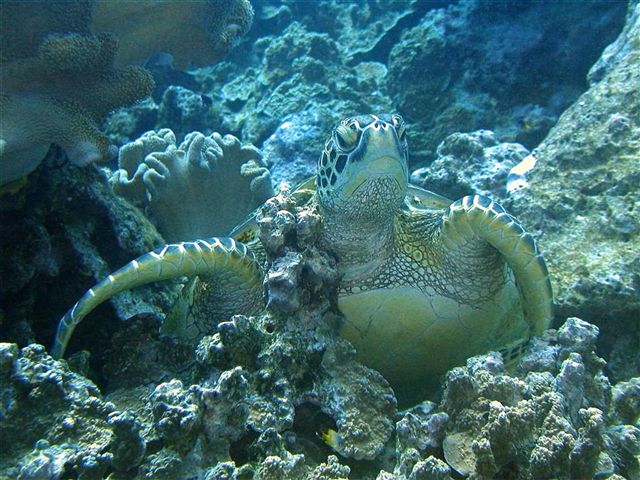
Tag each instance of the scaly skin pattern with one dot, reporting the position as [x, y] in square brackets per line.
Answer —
[423, 288]
[425, 284]
[209, 258]
[445, 294]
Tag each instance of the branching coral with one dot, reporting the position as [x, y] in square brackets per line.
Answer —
[202, 187]
[195, 33]
[59, 94]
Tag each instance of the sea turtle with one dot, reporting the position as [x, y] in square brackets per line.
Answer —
[425, 282]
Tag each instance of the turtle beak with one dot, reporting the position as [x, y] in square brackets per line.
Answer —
[383, 158]
[385, 166]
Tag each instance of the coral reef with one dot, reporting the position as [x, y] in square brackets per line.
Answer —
[61, 71]
[553, 419]
[349, 22]
[266, 387]
[447, 68]
[254, 101]
[183, 111]
[289, 151]
[257, 394]
[584, 195]
[199, 34]
[477, 65]
[556, 416]
[471, 163]
[52, 418]
[203, 187]
[60, 94]
[126, 124]
[281, 395]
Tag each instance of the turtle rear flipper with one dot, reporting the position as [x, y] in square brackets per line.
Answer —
[210, 257]
[480, 217]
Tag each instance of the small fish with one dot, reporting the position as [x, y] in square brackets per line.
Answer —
[332, 438]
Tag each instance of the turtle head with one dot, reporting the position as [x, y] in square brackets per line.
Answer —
[363, 171]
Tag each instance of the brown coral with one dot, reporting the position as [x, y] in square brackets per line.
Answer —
[59, 95]
[24, 24]
[203, 187]
[195, 33]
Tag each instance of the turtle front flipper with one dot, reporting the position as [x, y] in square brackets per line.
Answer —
[480, 217]
[210, 258]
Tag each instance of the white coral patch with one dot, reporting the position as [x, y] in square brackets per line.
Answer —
[516, 180]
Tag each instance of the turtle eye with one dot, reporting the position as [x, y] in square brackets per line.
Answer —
[398, 123]
[346, 137]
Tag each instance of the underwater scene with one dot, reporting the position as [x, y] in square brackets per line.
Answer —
[320, 239]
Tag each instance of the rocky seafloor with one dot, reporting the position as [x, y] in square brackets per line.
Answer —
[254, 398]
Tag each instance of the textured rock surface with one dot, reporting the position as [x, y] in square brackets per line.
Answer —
[65, 231]
[53, 420]
[183, 111]
[471, 163]
[201, 188]
[556, 416]
[584, 195]
[254, 101]
[485, 65]
[290, 151]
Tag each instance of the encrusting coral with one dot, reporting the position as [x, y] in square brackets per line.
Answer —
[195, 34]
[203, 187]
